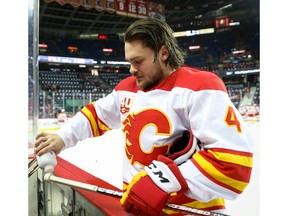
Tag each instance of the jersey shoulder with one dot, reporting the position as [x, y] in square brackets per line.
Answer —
[196, 79]
[127, 84]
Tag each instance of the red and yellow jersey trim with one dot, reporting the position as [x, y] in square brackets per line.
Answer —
[228, 168]
[98, 127]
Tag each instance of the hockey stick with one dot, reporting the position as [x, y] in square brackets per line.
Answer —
[35, 167]
[179, 208]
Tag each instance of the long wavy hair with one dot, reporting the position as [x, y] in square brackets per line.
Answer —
[155, 33]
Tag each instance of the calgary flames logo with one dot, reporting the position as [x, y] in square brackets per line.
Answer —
[134, 124]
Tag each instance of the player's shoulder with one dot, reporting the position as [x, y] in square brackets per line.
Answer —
[195, 73]
[127, 84]
[197, 79]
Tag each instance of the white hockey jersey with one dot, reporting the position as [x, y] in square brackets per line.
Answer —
[188, 99]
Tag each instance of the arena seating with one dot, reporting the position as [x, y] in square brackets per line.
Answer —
[73, 88]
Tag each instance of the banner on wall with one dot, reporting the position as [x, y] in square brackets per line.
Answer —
[62, 2]
[142, 9]
[130, 8]
[88, 4]
[99, 5]
[75, 3]
[121, 7]
[110, 6]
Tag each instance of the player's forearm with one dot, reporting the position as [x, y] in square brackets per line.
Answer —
[218, 173]
[77, 129]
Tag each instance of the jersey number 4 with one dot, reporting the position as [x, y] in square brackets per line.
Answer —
[231, 119]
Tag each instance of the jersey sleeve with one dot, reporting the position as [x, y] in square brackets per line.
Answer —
[222, 168]
[91, 121]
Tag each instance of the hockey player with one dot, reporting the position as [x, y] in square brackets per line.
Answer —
[62, 117]
[167, 112]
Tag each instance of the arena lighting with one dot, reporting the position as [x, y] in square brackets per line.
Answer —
[234, 23]
[226, 6]
[247, 71]
[221, 22]
[118, 62]
[62, 59]
[229, 73]
[194, 47]
[72, 48]
[179, 34]
[238, 51]
[42, 45]
[242, 72]
[107, 50]
[80, 61]
[206, 31]
[194, 32]
[89, 36]
[102, 37]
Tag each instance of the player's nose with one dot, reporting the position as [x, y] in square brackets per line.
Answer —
[132, 69]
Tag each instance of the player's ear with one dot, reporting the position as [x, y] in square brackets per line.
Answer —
[164, 52]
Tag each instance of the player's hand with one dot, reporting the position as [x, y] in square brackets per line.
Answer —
[183, 147]
[150, 189]
[45, 142]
